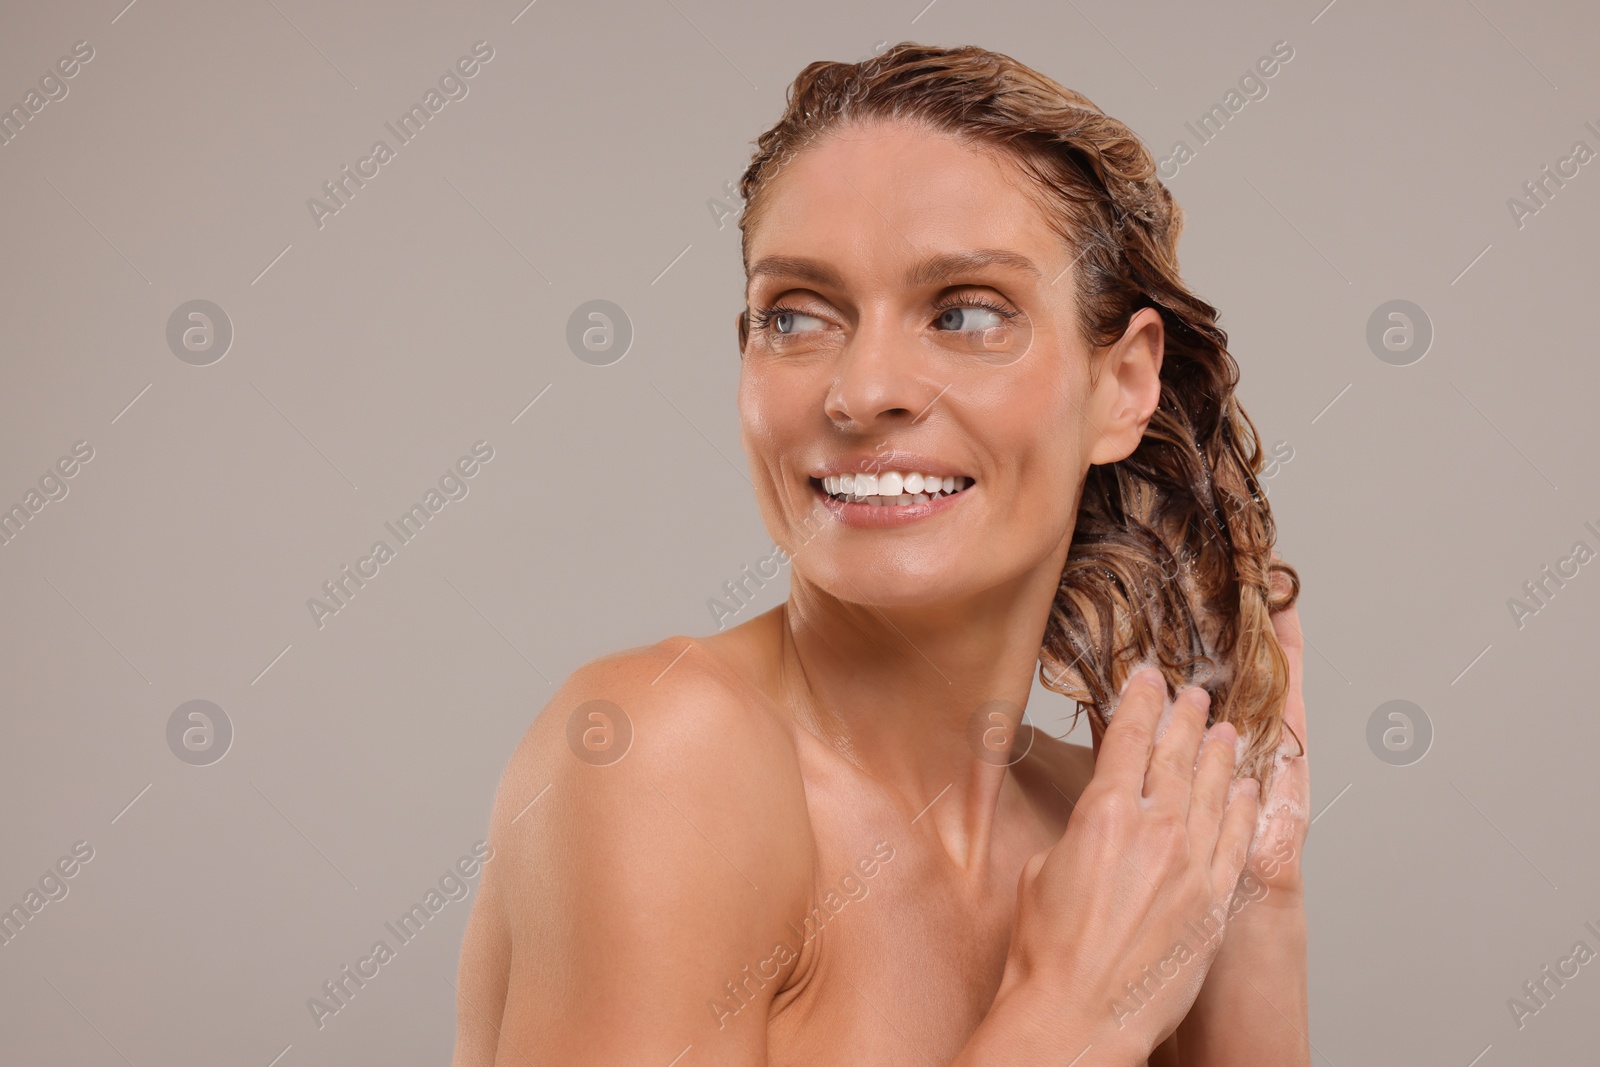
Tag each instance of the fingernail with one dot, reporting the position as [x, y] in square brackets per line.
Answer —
[1198, 695]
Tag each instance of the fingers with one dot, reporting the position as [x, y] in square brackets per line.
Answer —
[1170, 781]
[1130, 736]
[1218, 756]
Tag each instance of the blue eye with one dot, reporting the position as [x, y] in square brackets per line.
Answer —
[786, 322]
[779, 319]
[970, 317]
[975, 325]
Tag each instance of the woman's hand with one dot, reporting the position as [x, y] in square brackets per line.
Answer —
[1118, 923]
[1253, 1006]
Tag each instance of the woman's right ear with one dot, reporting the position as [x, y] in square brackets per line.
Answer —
[744, 330]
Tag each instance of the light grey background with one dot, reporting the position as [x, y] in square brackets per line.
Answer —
[369, 354]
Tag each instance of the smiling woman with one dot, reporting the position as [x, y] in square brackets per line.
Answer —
[966, 341]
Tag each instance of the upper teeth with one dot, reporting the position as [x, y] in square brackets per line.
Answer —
[893, 487]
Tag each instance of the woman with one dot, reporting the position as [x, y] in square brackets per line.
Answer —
[990, 429]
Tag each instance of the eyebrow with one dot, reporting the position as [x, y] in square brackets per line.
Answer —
[937, 268]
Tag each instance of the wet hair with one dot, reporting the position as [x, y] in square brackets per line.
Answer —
[1171, 563]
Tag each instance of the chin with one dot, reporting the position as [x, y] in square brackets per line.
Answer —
[884, 580]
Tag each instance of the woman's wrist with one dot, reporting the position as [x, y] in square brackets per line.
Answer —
[1030, 1023]
[1253, 1004]
[1282, 903]
[1268, 935]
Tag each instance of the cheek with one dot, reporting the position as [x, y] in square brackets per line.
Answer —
[763, 416]
[776, 419]
[779, 399]
[1034, 427]
[1035, 437]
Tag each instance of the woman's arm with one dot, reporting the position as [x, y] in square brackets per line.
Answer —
[1032, 1026]
[1253, 1007]
[482, 974]
[1155, 840]
[631, 908]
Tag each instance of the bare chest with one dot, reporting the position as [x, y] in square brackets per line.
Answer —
[899, 955]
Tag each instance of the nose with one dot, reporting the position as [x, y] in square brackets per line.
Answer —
[881, 376]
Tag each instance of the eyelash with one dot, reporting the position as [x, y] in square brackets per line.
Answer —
[975, 302]
[761, 317]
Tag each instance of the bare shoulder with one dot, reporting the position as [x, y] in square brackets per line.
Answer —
[649, 839]
[666, 728]
[674, 708]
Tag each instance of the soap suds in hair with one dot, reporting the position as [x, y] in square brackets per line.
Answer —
[1147, 663]
[1213, 674]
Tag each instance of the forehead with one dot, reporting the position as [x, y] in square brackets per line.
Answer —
[868, 196]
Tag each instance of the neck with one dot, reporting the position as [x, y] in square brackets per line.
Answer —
[897, 691]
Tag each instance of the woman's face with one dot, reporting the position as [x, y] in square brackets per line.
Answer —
[912, 314]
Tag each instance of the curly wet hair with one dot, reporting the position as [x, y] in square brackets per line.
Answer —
[1171, 563]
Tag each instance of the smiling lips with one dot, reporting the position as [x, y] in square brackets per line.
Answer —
[891, 488]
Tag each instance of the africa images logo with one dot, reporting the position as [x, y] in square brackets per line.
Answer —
[833, 901]
[452, 86]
